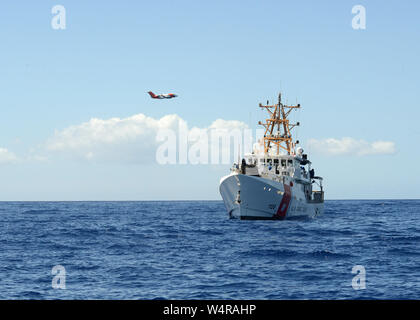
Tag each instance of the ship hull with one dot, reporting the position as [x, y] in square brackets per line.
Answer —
[256, 198]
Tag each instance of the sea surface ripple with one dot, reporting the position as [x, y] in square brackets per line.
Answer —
[191, 250]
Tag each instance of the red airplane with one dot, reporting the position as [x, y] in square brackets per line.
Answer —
[162, 96]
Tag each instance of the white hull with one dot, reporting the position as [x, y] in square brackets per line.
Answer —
[251, 197]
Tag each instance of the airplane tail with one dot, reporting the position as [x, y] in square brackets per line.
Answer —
[152, 94]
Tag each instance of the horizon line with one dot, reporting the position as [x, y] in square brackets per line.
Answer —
[199, 200]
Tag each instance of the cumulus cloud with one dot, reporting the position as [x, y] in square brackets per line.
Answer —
[7, 157]
[131, 139]
[125, 140]
[350, 146]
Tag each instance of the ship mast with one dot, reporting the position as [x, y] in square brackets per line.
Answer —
[282, 139]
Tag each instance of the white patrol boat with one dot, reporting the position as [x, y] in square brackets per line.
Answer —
[276, 180]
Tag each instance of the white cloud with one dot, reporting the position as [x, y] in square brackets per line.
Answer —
[126, 140]
[131, 139]
[350, 146]
[7, 157]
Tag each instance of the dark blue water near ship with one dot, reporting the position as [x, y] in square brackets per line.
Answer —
[191, 250]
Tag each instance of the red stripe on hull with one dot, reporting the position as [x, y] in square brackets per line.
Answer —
[284, 204]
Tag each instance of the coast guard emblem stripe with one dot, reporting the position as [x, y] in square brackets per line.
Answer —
[284, 204]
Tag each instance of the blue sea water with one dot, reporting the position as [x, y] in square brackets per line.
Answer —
[191, 250]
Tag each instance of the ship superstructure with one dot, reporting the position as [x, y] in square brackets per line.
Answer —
[275, 180]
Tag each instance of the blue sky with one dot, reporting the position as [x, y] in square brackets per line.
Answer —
[222, 58]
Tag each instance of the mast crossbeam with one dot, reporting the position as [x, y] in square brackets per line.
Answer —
[278, 117]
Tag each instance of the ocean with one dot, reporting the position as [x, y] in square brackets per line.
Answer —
[192, 250]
